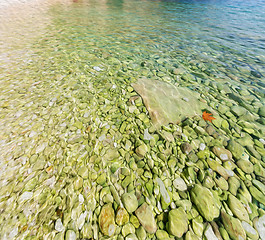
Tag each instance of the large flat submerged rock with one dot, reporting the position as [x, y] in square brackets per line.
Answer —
[167, 103]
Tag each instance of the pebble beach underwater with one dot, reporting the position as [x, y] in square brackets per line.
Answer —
[132, 119]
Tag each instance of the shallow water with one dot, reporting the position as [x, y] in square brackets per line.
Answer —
[67, 105]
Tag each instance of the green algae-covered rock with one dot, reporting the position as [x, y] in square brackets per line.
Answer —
[141, 233]
[111, 154]
[234, 184]
[205, 202]
[141, 150]
[129, 201]
[236, 149]
[122, 216]
[238, 110]
[191, 236]
[222, 153]
[146, 217]
[245, 165]
[162, 235]
[177, 222]
[258, 195]
[106, 220]
[237, 208]
[262, 111]
[233, 226]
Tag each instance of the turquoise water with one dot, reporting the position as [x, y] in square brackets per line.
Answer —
[226, 36]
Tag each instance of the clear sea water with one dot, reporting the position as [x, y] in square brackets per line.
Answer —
[228, 37]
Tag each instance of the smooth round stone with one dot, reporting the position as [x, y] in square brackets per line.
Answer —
[59, 225]
[245, 166]
[131, 236]
[180, 184]
[238, 110]
[250, 231]
[236, 149]
[127, 229]
[70, 235]
[162, 235]
[129, 201]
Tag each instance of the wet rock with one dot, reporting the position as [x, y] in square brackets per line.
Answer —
[122, 216]
[259, 224]
[236, 149]
[166, 200]
[58, 225]
[70, 235]
[222, 153]
[250, 231]
[186, 148]
[162, 235]
[146, 217]
[245, 166]
[131, 236]
[209, 233]
[262, 111]
[233, 226]
[258, 195]
[180, 184]
[106, 220]
[111, 154]
[141, 150]
[238, 110]
[234, 184]
[237, 208]
[83, 172]
[205, 202]
[191, 236]
[127, 229]
[129, 201]
[177, 222]
[141, 233]
[167, 103]
[259, 185]
[25, 196]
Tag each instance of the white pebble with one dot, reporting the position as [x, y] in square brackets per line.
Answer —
[59, 225]
[81, 199]
[224, 156]
[202, 146]
[81, 220]
[26, 196]
[97, 69]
